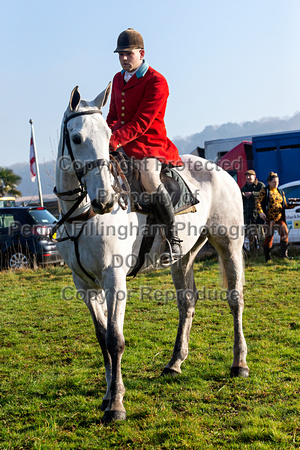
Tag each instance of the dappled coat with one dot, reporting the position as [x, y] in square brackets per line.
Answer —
[136, 115]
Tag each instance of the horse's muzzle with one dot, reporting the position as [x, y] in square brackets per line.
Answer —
[103, 208]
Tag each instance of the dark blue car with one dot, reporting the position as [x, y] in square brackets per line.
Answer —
[24, 238]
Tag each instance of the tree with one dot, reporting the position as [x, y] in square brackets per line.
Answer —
[9, 182]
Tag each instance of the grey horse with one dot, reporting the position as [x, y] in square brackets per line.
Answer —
[90, 237]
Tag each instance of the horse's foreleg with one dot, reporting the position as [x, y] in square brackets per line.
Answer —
[115, 290]
[183, 278]
[96, 303]
[97, 308]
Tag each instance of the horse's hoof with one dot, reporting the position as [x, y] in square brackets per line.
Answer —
[168, 371]
[239, 372]
[113, 416]
[104, 405]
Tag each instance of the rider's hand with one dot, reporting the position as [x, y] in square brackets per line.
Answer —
[113, 145]
[262, 216]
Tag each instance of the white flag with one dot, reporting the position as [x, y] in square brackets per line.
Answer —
[32, 159]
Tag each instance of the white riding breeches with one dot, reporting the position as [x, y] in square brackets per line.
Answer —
[150, 169]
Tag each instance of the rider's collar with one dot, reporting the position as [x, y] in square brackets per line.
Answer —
[141, 71]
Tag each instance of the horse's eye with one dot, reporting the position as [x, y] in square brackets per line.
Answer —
[76, 139]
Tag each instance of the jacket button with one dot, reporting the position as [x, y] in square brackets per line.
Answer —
[123, 93]
[123, 107]
[122, 122]
[122, 114]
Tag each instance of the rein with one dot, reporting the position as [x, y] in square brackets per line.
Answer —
[118, 172]
[66, 216]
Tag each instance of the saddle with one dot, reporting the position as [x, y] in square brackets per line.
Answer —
[182, 199]
[181, 196]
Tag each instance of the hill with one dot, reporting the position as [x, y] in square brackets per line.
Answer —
[231, 130]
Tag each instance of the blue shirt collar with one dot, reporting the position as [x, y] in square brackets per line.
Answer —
[142, 70]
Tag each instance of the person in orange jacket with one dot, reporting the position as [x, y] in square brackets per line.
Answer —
[136, 119]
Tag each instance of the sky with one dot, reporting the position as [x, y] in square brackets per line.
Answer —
[225, 61]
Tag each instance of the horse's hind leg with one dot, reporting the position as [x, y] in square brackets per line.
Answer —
[183, 278]
[230, 252]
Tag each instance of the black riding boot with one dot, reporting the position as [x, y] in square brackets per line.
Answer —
[267, 251]
[162, 204]
[284, 250]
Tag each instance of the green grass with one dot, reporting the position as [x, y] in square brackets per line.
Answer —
[52, 376]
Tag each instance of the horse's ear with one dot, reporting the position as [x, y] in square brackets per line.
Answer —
[102, 98]
[75, 99]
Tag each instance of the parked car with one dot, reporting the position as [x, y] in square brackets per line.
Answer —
[292, 193]
[24, 238]
[7, 201]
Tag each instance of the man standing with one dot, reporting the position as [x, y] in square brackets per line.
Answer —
[250, 192]
[136, 119]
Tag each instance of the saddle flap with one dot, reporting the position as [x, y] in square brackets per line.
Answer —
[181, 196]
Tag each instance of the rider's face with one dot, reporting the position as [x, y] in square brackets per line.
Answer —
[130, 61]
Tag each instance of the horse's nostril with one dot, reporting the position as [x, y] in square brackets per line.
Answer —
[102, 208]
[76, 139]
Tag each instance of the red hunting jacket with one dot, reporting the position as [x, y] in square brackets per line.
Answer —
[136, 115]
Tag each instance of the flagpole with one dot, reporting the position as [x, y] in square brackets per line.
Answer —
[37, 165]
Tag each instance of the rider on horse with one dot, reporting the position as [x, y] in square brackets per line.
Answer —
[136, 119]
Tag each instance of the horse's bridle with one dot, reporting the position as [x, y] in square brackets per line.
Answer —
[86, 168]
[80, 172]
[81, 189]
[66, 141]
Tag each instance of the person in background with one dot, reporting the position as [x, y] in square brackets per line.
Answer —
[252, 221]
[136, 119]
[271, 204]
[250, 192]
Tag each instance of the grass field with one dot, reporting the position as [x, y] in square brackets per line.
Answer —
[52, 374]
